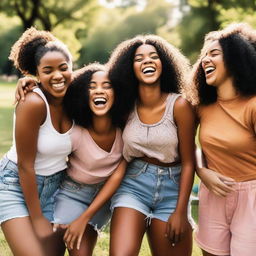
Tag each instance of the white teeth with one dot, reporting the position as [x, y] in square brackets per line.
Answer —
[58, 85]
[148, 70]
[99, 101]
[209, 69]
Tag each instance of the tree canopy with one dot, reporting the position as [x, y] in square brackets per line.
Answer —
[91, 30]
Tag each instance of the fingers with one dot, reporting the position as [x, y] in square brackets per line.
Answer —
[17, 98]
[67, 239]
[24, 85]
[55, 227]
[225, 178]
[173, 236]
[79, 242]
[64, 226]
[70, 240]
[220, 191]
[22, 89]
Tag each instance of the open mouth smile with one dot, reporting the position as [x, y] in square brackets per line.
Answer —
[101, 101]
[58, 85]
[209, 70]
[148, 70]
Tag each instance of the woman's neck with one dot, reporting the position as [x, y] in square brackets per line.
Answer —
[227, 91]
[56, 102]
[102, 124]
[150, 96]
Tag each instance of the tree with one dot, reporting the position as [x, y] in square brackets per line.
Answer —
[208, 15]
[128, 22]
[47, 13]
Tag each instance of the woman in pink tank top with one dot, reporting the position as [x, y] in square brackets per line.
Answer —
[159, 145]
[96, 166]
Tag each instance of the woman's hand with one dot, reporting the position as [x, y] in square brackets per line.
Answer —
[176, 227]
[216, 182]
[24, 85]
[74, 233]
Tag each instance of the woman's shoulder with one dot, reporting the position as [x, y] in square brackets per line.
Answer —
[251, 102]
[78, 130]
[33, 102]
[181, 102]
[250, 106]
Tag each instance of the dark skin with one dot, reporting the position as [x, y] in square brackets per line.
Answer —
[30, 115]
[80, 237]
[175, 236]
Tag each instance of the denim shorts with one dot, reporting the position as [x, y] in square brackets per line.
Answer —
[150, 189]
[12, 202]
[74, 198]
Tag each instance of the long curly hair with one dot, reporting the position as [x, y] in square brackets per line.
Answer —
[33, 44]
[76, 100]
[238, 43]
[175, 69]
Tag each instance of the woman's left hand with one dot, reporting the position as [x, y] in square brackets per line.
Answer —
[176, 227]
[74, 233]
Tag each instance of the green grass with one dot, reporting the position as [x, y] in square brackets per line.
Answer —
[6, 110]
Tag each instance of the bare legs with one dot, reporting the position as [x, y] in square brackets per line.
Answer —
[126, 233]
[21, 237]
[23, 241]
[128, 227]
[88, 243]
[161, 246]
[209, 254]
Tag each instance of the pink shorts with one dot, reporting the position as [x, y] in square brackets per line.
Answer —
[227, 225]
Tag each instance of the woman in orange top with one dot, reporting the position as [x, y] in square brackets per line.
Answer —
[225, 76]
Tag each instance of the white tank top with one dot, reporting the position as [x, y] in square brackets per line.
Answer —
[52, 147]
[159, 140]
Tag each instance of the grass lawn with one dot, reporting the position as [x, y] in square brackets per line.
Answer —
[6, 109]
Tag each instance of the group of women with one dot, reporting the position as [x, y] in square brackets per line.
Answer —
[128, 128]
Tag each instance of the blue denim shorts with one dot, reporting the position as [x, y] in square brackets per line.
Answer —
[12, 202]
[150, 189]
[74, 198]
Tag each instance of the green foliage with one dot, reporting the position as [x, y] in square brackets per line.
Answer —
[193, 27]
[92, 31]
[116, 26]
[10, 31]
[47, 14]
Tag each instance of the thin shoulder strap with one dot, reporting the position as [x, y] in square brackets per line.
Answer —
[170, 103]
[41, 94]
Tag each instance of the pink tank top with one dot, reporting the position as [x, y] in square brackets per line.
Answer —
[159, 140]
[88, 163]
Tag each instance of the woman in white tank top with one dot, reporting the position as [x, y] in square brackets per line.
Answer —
[30, 173]
[159, 146]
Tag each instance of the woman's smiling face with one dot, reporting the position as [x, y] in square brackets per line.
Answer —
[147, 65]
[54, 73]
[101, 94]
[213, 65]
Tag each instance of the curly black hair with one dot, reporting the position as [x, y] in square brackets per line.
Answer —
[175, 68]
[76, 100]
[239, 53]
[33, 44]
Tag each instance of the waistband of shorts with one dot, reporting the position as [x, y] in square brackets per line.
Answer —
[244, 185]
[156, 169]
[80, 184]
[155, 161]
[5, 162]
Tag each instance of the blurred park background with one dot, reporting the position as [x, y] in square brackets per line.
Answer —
[92, 28]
